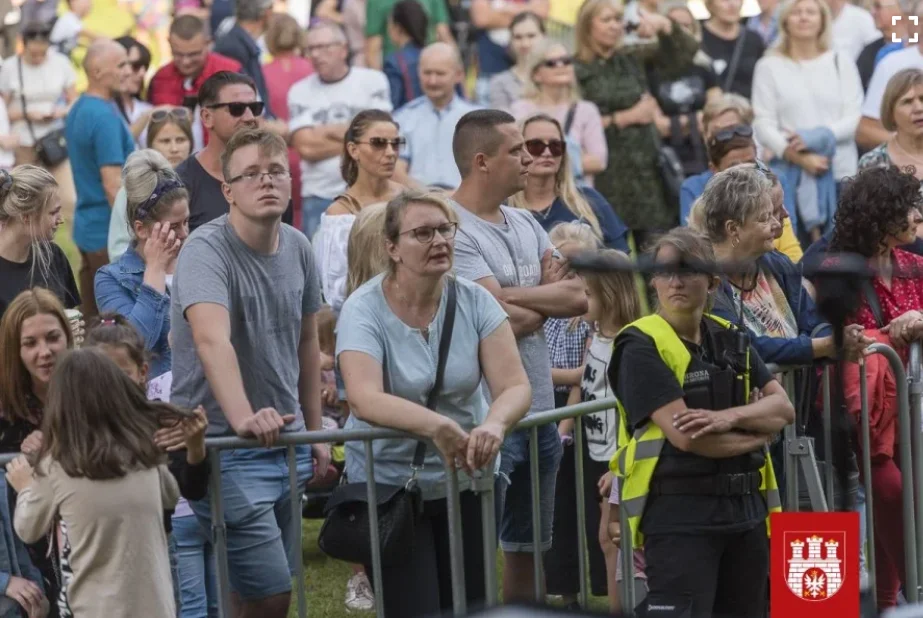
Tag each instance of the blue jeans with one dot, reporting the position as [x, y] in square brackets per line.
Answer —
[514, 488]
[174, 569]
[196, 561]
[263, 544]
[312, 207]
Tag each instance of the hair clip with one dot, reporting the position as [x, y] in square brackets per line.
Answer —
[7, 180]
[107, 322]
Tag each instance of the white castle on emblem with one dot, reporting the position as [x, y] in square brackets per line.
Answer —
[814, 578]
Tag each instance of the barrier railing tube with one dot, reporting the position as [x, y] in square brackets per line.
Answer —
[915, 386]
[867, 479]
[296, 528]
[373, 531]
[828, 442]
[906, 458]
[582, 594]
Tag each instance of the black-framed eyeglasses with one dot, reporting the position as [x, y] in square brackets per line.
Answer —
[238, 109]
[426, 233]
[380, 143]
[724, 135]
[176, 113]
[554, 63]
[277, 176]
[537, 147]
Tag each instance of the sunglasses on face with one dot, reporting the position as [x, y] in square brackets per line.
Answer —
[380, 143]
[724, 135]
[554, 63]
[426, 233]
[35, 35]
[239, 109]
[537, 147]
[177, 113]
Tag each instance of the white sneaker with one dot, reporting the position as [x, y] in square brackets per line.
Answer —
[359, 595]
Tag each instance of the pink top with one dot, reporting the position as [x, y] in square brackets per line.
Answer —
[586, 130]
[281, 74]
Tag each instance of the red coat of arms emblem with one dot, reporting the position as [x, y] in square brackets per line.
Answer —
[814, 564]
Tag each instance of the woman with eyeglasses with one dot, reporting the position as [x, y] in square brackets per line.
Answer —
[807, 100]
[38, 86]
[526, 29]
[137, 286]
[395, 325]
[551, 193]
[552, 89]
[615, 83]
[370, 150]
[169, 132]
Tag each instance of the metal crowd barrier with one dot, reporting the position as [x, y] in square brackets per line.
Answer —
[459, 604]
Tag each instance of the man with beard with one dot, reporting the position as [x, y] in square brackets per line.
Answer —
[227, 103]
[98, 143]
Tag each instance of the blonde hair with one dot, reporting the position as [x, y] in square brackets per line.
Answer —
[285, 35]
[899, 85]
[143, 171]
[365, 250]
[616, 290]
[565, 187]
[727, 102]
[585, 50]
[696, 220]
[28, 194]
[541, 48]
[577, 233]
[783, 45]
[395, 209]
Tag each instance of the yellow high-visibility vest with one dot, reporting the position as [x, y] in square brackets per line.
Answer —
[636, 459]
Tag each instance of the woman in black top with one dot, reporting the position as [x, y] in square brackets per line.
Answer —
[722, 35]
[30, 213]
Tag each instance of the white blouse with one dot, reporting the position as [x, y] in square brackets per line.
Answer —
[330, 243]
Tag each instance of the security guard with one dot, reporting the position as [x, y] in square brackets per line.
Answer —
[696, 485]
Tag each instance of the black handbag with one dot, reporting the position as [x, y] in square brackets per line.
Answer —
[346, 531]
[51, 149]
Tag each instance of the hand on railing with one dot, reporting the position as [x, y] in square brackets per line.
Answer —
[605, 485]
[905, 328]
[265, 426]
[484, 443]
[452, 442]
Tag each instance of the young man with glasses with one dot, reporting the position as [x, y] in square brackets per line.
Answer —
[321, 107]
[244, 300]
[227, 102]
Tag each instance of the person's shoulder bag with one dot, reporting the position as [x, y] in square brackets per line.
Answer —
[51, 149]
[346, 531]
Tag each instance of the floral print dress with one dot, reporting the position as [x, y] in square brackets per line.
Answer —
[631, 181]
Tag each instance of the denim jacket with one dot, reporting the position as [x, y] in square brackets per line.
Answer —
[119, 287]
[14, 557]
[797, 351]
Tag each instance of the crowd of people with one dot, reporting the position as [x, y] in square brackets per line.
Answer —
[351, 233]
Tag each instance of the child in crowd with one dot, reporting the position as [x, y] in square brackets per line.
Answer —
[68, 28]
[613, 302]
[192, 558]
[567, 339]
[100, 475]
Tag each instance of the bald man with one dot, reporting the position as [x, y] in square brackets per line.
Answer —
[428, 122]
[98, 143]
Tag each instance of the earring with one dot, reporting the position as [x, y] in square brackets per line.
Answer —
[735, 241]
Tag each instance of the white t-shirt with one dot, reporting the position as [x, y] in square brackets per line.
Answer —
[853, 29]
[890, 65]
[601, 428]
[7, 158]
[45, 87]
[314, 103]
[66, 31]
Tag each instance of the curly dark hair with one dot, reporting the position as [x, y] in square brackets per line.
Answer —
[873, 206]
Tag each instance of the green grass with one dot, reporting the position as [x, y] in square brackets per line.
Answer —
[64, 239]
[325, 581]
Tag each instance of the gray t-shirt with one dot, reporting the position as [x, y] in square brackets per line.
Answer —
[367, 324]
[512, 252]
[266, 296]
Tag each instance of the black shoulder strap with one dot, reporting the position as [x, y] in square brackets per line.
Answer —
[735, 60]
[22, 99]
[871, 297]
[445, 341]
[569, 120]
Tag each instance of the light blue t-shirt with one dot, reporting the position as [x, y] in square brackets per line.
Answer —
[97, 136]
[367, 324]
